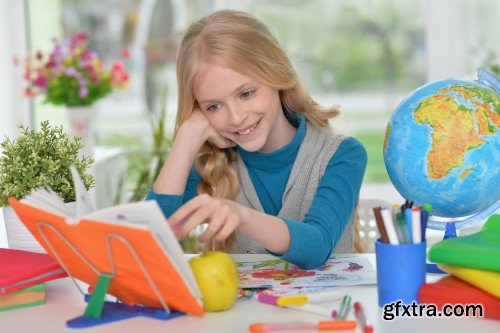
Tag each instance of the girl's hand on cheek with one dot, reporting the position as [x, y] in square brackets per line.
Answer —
[222, 218]
[200, 125]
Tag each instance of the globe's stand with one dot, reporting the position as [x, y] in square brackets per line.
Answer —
[488, 79]
[450, 226]
[440, 223]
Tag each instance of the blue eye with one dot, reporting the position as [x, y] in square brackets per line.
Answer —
[247, 93]
[213, 107]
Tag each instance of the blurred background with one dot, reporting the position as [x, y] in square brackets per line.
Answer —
[363, 55]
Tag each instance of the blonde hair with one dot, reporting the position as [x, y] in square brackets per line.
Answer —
[238, 41]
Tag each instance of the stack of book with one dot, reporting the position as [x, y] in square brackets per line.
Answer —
[23, 274]
[474, 266]
[31, 296]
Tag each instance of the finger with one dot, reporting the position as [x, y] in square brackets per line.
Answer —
[198, 217]
[215, 224]
[177, 228]
[227, 228]
[188, 208]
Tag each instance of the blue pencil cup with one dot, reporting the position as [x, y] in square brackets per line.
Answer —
[400, 272]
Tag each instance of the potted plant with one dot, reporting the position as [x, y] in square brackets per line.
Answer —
[71, 75]
[38, 159]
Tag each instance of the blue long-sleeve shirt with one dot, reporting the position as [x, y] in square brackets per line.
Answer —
[313, 240]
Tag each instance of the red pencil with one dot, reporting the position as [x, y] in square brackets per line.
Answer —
[361, 317]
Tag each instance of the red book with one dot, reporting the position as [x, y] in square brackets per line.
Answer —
[21, 269]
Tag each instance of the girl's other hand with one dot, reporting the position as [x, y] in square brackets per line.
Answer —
[222, 216]
[199, 124]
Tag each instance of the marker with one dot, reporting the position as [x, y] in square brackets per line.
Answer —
[380, 225]
[416, 226]
[306, 298]
[401, 226]
[309, 308]
[362, 319]
[344, 307]
[389, 226]
[395, 210]
[426, 213]
[320, 326]
[407, 214]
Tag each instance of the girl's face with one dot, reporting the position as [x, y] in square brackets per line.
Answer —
[242, 109]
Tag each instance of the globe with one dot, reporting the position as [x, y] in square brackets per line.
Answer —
[442, 147]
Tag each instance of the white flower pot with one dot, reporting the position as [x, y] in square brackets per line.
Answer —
[81, 125]
[18, 236]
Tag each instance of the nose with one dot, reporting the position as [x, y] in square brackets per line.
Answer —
[235, 116]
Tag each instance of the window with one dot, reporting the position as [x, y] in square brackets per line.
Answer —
[365, 56]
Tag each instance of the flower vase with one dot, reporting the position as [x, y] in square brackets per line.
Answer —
[81, 125]
[18, 236]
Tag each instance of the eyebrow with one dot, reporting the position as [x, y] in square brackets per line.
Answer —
[234, 91]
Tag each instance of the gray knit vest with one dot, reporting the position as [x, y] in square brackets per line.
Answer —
[315, 152]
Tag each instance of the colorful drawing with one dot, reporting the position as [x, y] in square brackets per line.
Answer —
[337, 271]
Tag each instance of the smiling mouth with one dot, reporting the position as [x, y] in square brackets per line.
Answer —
[249, 130]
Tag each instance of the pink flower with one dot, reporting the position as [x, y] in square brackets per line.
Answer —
[40, 81]
[89, 68]
[126, 54]
[78, 39]
[83, 92]
[118, 66]
[28, 92]
[71, 71]
[88, 55]
[39, 55]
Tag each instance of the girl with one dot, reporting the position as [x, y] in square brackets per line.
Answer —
[253, 155]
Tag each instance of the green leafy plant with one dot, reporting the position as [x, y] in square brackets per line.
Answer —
[145, 164]
[41, 159]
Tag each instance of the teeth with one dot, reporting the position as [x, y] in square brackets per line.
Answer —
[248, 130]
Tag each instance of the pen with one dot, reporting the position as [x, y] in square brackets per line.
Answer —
[389, 226]
[305, 298]
[344, 307]
[309, 308]
[407, 215]
[321, 326]
[416, 227]
[362, 319]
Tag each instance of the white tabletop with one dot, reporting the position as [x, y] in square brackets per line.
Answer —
[64, 302]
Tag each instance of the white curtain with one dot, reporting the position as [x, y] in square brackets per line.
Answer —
[14, 109]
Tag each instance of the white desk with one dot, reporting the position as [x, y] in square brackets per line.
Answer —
[65, 302]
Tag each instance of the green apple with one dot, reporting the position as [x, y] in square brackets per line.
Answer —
[217, 277]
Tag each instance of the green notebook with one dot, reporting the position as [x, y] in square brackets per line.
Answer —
[15, 300]
[480, 250]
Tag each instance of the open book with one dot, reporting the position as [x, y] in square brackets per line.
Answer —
[132, 242]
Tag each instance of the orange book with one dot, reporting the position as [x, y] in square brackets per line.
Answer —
[132, 242]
